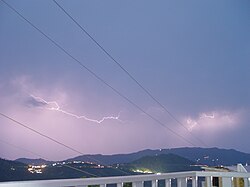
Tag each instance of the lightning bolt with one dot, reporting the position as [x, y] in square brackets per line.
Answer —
[53, 105]
[203, 115]
[191, 124]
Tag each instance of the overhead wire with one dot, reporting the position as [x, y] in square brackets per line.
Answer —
[23, 149]
[127, 72]
[53, 140]
[96, 76]
[43, 157]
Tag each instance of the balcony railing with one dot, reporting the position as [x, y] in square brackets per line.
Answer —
[179, 179]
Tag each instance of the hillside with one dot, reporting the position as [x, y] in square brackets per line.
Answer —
[163, 160]
[161, 164]
[11, 169]
[38, 161]
[208, 156]
[16, 171]
[212, 156]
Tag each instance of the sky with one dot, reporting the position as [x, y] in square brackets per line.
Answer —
[192, 56]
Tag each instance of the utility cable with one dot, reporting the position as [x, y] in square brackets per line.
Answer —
[95, 75]
[23, 149]
[52, 139]
[40, 156]
[126, 71]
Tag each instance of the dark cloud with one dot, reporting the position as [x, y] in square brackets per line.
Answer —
[193, 56]
[33, 102]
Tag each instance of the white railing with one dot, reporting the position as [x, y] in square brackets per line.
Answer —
[182, 179]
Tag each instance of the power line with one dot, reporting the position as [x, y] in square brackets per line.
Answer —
[126, 71]
[96, 76]
[65, 165]
[41, 134]
[23, 149]
[55, 141]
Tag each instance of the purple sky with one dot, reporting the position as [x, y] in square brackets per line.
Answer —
[193, 56]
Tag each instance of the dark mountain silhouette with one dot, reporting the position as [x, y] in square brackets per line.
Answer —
[207, 156]
[8, 169]
[16, 171]
[38, 161]
[164, 160]
[162, 163]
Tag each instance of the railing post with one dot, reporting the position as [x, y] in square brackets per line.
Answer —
[226, 179]
[195, 181]
[246, 182]
[119, 185]
[102, 185]
[168, 183]
[137, 184]
[155, 183]
[209, 181]
[226, 182]
[181, 182]
[232, 181]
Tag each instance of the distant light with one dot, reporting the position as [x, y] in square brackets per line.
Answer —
[158, 173]
[142, 171]
[43, 166]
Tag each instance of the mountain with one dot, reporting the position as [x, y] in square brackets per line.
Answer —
[161, 160]
[207, 156]
[11, 169]
[16, 171]
[28, 161]
[212, 156]
[160, 164]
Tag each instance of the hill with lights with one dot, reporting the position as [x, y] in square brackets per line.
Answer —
[163, 163]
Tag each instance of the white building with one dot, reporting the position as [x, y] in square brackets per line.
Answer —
[178, 179]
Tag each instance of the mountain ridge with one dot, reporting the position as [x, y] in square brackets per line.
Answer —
[162, 163]
[37, 161]
[206, 156]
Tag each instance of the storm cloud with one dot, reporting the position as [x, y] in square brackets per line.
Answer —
[193, 56]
